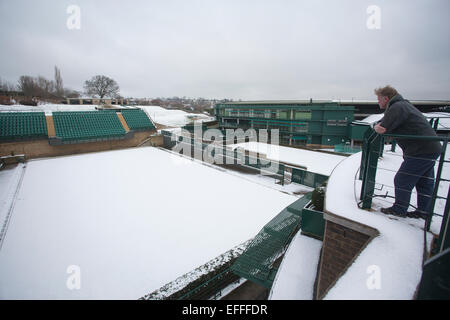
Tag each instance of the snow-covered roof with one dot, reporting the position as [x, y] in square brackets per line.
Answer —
[129, 229]
[173, 118]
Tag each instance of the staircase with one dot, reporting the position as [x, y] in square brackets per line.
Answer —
[50, 126]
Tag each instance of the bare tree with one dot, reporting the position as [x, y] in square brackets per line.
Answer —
[28, 86]
[6, 86]
[101, 86]
[46, 87]
[59, 87]
[69, 93]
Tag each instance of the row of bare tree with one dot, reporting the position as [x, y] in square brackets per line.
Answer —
[98, 86]
[39, 87]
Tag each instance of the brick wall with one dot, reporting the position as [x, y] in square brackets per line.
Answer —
[41, 148]
[341, 245]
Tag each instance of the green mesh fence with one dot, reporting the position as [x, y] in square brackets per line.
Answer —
[258, 261]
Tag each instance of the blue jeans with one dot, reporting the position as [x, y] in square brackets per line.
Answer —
[418, 172]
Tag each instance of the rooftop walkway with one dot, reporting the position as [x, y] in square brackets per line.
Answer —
[397, 252]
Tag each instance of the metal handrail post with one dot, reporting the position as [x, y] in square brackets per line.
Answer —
[436, 186]
[436, 124]
[394, 145]
[365, 169]
[382, 141]
[368, 186]
[367, 140]
[444, 241]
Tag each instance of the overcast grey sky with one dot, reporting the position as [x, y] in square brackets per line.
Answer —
[244, 49]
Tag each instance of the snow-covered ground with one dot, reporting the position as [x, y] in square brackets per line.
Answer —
[124, 223]
[317, 162]
[173, 118]
[297, 273]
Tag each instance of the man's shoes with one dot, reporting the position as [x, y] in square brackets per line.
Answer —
[392, 212]
[417, 214]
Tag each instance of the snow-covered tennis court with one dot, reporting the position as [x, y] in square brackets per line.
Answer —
[127, 222]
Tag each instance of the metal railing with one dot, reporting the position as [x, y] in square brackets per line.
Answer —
[226, 154]
[373, 148]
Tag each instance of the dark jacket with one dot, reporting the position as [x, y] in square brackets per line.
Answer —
[401, 117]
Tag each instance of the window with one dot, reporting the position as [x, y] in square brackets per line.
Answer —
[273, 114]
[337, 123]
[302, 115]
[243, 113]
[301, 128]
[282, 114]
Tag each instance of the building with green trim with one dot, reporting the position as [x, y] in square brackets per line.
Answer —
[324, 122]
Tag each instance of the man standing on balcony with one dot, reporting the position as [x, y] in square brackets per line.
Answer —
[419, 156]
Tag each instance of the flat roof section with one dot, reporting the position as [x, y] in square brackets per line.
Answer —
[127, 229]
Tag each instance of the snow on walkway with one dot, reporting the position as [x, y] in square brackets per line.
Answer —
[387, 167]
[317, 162]
[297, 273]
[124, 223]
[9, 178]
[397, 252]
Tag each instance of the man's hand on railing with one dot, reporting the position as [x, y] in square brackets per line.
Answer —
[379, 129]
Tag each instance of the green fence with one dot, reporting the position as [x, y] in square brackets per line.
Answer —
[212, 288]
[230, 156]
[258, 262]
[306, 178]
[373, 148]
